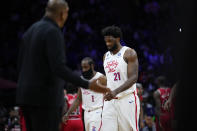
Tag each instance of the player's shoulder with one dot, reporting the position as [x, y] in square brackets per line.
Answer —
[100, 74]
[101, 78]
[130, 50]
[160, 90]
[130, 54]
[157, 92]
[105, 55]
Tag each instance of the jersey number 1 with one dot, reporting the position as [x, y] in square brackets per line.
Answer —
[92, 98]
[117, 76]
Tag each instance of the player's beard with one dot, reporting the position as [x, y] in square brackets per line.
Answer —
[114, 47]
[88, 74]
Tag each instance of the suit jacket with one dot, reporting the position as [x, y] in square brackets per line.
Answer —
[42, 66]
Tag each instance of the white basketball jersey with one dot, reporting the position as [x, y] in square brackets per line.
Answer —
[91, 99]
[116, 71]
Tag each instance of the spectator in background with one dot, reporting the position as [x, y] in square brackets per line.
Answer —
[3, 117]
[149, 123]
[152, 7]
[140, 93]
[11, 119]
[14, 119]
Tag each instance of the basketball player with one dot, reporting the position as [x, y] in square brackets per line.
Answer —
[74, 120]
[161, 95]
[139, 93]
[121, 106]
[92, 102]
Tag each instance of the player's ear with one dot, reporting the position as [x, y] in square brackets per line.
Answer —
[61, 15]
[118, 39]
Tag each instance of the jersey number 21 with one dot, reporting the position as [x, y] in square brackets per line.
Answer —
[117, 76]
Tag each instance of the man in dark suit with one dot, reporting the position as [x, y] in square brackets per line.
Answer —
[43, 72]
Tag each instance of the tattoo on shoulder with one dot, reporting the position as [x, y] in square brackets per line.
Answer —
[129, 54]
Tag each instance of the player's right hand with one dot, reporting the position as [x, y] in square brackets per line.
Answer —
[95, 86]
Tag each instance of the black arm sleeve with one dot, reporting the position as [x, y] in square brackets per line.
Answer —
[57, 61]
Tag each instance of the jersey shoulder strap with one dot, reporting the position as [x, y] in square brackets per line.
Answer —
[107, 54]
[124, 48]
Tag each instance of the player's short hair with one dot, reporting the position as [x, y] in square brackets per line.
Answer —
[114, 31]
[90, 60]
[161, 81]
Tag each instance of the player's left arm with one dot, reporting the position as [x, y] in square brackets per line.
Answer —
[156, 96]
[131, 58]
[65, 108]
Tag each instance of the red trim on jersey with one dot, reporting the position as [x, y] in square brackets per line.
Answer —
[101, 116]
[135, 111]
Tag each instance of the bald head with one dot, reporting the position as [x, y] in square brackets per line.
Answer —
[57, 10]
[54, 6]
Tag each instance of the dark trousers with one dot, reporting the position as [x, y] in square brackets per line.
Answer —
[42, 118]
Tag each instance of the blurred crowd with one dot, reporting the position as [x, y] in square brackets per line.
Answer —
[9, 119]
[146, 24]
[146, 30]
